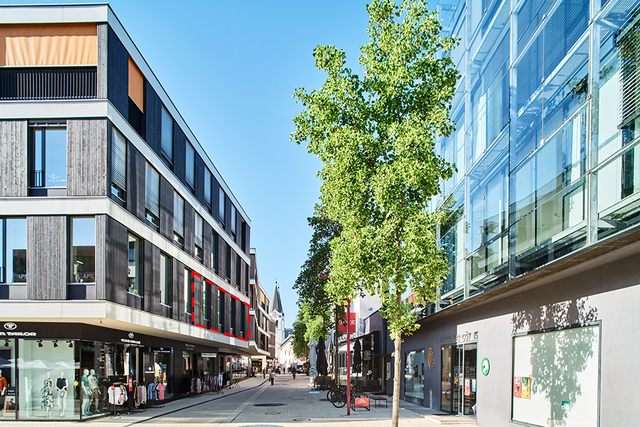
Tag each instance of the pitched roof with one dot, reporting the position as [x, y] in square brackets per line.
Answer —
[276, 304]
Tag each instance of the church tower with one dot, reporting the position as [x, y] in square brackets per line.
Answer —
[277, 315]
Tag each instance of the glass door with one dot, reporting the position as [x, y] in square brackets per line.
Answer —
[469, 381]
[458, 379]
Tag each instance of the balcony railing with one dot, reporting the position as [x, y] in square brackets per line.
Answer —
[47, 83]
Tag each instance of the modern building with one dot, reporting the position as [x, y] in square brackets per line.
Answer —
[542, 228]
[262, 324]
[124, 256]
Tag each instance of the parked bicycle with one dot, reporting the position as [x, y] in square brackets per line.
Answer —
[337, 395]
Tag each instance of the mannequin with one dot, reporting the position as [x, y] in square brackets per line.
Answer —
[47, 394]
[95, 389]
[86, 392]
[61, 388]
[3, 387]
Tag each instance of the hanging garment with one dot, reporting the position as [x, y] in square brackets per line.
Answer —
[117, 394]
[47, 394]
[161, 389]
[198, 386]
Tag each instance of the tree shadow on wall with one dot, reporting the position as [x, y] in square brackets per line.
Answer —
[558, 357]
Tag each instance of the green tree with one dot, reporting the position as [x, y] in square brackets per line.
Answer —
[375, 137]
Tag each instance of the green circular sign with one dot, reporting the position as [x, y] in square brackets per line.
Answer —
[485, 367]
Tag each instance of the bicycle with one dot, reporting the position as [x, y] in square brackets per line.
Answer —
[338, 394]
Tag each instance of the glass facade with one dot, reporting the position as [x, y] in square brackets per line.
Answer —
[545, 143]
[414, 374]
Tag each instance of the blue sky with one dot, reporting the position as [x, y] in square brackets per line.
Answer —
[231, 68]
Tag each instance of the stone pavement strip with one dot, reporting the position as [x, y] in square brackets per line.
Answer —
[256, 403]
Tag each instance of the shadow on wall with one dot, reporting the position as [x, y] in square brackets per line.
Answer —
[558, 357]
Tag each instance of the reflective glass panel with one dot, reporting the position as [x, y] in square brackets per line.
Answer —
[83, 250]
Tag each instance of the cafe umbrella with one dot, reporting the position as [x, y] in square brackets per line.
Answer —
[321, 362]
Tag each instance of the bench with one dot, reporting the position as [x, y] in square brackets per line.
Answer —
[377, 399]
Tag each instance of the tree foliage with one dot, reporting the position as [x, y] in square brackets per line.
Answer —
[375, 136]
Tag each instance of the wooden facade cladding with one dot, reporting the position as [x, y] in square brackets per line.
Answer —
[101, 255]
[136, 176]
[47, 257]
[166, 209]
[13, 158]
[117, 72]
[116, 262]
[103, 49]
[87, 145]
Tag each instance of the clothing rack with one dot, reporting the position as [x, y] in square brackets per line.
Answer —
[115, 413]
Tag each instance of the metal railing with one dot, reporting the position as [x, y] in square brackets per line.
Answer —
[47, 83]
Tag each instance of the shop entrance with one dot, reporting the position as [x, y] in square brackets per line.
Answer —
[458, 379]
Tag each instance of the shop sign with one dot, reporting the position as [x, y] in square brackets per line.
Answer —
[10, 326]
[210, 355]
[368, 354]
[191, 347]
[485, 366]
[17, 334]
[456, 339]
[161, 349]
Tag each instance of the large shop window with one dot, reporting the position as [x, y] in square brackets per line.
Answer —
[83, 250]
[414, 374]
[133, 275]
[48, 156]
[555, 377]
[152, 196]
[15, 257]
[118, 165]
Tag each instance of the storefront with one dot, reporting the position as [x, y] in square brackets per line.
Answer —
[458, 374]
[66, 371]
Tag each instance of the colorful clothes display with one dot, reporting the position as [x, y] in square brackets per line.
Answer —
[47, 394]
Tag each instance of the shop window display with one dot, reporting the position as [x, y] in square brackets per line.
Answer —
[414, 374]
[46, 369]
[7, 380]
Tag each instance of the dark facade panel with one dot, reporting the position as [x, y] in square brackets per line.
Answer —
[153, 116]
[227, 313]
[189, 228]
[207, 239]
[13, 158]
[177, 308]
[199, 180]
[247, 246]
[233, 277]
[103, 48]
[47, 257]
[151, 279]
[117, 73]
[101, 253]
[222, 247]
[166, 209]
[199, 284]
[179, 152]
[215, 198]
[227, 206]
[87, 157]
[214, 307]
[116, 262]
[136, 175]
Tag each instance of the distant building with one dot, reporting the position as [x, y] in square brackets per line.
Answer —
[277, 316]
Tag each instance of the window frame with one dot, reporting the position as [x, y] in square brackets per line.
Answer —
[166, 141]
[198, 238]
[208, 187]
[137, 291]
[178, 221]
[222, 210]
[116, 187]
[165, 282]
[32, 159]
[151, 216]
[71, 220]
[190, 169]
[5, 250]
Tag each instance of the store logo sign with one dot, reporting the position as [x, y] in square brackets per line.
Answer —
[10, 326]
[131, 335]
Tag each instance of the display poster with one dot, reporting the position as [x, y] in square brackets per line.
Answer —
[517, 387]
[9, 402]
[526, 388]
[467, 387]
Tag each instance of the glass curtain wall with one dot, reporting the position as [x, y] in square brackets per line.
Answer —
[547, 118]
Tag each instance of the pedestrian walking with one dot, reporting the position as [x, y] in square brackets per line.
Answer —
[272, 377]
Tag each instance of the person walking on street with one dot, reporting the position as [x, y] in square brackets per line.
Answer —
[272, 377]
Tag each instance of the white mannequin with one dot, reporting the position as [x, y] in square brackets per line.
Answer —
[86, 393]
[61, 387]
[95, 389]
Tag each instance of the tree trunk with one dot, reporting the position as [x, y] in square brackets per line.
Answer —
[395, 414]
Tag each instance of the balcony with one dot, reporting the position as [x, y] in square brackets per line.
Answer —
[47, 83]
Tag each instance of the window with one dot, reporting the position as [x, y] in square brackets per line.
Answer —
[238, 271]
[227, 264]
[187, 291]
[83, 250]
[118, 165]
[48, 156]
[206, 301]
[133, 282]
[15, 257]
[165, 280]
[167, 135]
[233, 316]
[152, 196]
[221, 309]
[215, 260]
[198, 237]
[233, 219]
[207, 187]
[221, 207]
[414, 374]
[178, 219]
[190, 166]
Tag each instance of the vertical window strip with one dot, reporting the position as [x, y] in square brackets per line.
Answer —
[119, 160]
[187, 300]
[152, 199]
[163, 280]
[207, 187]
[190, 165]
[199, 230]
[167, 134]
[178, 214]
[221, 206]
[233, 219]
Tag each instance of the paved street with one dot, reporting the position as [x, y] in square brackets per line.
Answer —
[238, 406]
